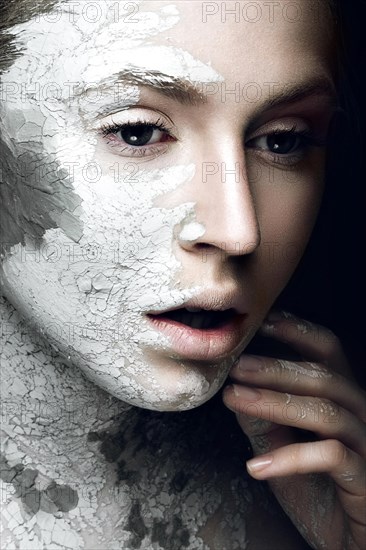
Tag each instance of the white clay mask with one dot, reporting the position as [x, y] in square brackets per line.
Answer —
[90, 251]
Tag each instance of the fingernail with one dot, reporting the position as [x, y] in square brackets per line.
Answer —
[243, 392]
[250, 363]
[259, 463]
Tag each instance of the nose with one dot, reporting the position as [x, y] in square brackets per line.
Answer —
[226, 217]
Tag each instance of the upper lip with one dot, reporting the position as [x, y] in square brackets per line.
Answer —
[212, 300]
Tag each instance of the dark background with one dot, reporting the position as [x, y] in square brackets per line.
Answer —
[329, 285]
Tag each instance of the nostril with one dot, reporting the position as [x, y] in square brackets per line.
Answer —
[203, 246]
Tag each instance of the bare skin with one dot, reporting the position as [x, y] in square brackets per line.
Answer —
[126, 477]
[320, 483]
[81, 468]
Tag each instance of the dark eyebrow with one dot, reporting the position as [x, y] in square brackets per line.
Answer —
[178, 89]
[174, 88]
[188, 93]
[293, 93]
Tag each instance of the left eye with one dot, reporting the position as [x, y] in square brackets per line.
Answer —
[280, 143]
[140, 134]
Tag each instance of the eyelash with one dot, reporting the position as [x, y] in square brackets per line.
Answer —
[307, 140]
[306, 137]
[112, 129]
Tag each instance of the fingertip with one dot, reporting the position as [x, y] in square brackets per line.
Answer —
[258, 467]
[279, 315]
[273, 320]
[275, 315]
[267, 328]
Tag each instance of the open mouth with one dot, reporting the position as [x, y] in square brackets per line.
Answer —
[201, 333]
[198, 318]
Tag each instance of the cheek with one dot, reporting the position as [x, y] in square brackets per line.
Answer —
[289, 214]
[287, 203]
[35, 195]
[122, 263]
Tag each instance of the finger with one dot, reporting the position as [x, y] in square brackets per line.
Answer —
[325, 418]
[305, 498]
[328, 456]
[313, 341]
[346, 468]
[301, 378]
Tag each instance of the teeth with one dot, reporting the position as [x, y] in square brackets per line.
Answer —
[193, 309]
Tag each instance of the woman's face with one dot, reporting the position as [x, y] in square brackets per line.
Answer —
[158, 157]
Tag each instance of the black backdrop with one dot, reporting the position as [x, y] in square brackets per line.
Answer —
[329, 284]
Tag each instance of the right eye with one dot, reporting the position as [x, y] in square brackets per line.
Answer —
[140, 138]
[137, 135]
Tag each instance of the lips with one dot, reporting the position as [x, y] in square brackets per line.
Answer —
[201, 333]
[198, 318]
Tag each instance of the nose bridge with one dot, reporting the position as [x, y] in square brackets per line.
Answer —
[225, 204]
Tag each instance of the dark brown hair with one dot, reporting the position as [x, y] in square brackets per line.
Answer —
[14, 12]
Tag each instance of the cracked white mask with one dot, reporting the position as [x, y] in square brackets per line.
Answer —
[128, 205]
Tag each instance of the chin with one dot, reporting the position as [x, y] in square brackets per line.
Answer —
[168, 393]
[178, 403]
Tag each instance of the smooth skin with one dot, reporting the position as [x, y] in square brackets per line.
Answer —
[318, 476]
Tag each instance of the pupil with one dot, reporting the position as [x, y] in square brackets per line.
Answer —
[282, 144]
[137, 135]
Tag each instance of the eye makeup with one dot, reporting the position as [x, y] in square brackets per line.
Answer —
[140, 137]
[285, 143]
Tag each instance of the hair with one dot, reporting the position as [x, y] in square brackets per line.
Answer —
[328, 285]
[15, 12]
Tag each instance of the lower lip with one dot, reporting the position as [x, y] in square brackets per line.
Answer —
[201, 345]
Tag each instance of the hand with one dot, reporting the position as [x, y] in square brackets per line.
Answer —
[317, 475]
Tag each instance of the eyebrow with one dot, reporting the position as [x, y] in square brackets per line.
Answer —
[317, 86]
[169, 86]
[178, 89]
[188, 93]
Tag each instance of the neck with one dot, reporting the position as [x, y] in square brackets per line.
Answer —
[50, 412]
[74, 454]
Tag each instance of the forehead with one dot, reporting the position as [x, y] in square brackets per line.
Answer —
[259, 35]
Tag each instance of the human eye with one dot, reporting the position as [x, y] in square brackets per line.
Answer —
[143, 135]
[285, 145]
